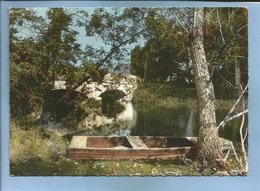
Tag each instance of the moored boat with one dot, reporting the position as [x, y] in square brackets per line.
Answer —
[130, 147]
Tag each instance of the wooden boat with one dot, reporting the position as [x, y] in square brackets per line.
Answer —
[130, 147]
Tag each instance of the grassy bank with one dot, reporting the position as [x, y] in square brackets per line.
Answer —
[35, 152]
[169, 96]
[34, 144]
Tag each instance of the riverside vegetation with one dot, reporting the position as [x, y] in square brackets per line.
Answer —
[171, 51]
[36, 150]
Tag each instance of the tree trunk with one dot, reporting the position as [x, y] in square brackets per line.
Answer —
[145, 66]
[237, 73]
[208, 138]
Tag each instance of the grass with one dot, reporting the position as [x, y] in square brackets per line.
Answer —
[34, 151]
[35, 144]
[168, 96]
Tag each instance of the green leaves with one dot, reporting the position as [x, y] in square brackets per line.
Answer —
[44, 47]
[35, 62]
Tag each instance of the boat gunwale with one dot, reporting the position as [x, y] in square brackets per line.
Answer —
[192, 139]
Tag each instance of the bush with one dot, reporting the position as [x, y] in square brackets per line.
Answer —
[110, 104]
[111, 96]
[35, 144]
[152, 92]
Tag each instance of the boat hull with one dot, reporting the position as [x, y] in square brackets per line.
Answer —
[132, 147]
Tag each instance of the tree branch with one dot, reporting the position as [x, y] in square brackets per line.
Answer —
[222, 123]
[232, 85]
[220, 28]
[107, 57]
[242, 113]
[184, 28]
[242, 138]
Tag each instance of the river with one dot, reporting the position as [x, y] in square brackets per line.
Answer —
[177, 122]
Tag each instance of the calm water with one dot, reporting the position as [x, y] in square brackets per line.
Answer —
[164, 121]
[155, 120]
[179, 122]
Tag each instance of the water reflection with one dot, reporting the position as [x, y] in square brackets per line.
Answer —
[178, 122]
[163, 121]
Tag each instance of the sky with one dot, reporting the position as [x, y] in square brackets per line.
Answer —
[82, 39]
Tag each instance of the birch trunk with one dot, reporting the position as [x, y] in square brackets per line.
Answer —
[237, 73]
[208, 138]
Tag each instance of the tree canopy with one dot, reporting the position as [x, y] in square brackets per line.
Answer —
[152, 43]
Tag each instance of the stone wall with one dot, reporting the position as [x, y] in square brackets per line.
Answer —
[124, 83]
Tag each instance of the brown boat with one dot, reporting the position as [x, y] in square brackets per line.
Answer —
[130, 147]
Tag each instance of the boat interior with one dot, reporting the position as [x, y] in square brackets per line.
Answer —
[137, 142]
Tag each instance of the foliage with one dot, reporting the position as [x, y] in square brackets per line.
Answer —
[170, 96]
[115, 28]
[110, 106]
[42, 49]
[226, 44]
[36, 59]
[82, 108]
[33, 143]
[153, 91]
[167, 55]
[112, 95]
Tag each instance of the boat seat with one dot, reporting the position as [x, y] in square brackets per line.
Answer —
[136, 142]
[78, 142]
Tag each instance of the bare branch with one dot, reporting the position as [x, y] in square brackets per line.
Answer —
[79, 16]
[234, 117]
[242, 138]
[233, 12]
[225, 158]
[222, 123]
[234, 86]
[229, 22]
[220, 28]
[245, 135]
[238, 30]
[235, 153]
[184, 28]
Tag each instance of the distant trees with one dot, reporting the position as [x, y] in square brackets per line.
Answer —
[165, 53]
[226, 46]
[225, 41]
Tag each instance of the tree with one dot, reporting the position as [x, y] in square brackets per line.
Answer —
[225, 42]
[114, 27]
[59, 47]
[25, 76]
[208, 138]
[165, 53]
[39, 50]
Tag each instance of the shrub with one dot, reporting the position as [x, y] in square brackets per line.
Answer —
[35, 144]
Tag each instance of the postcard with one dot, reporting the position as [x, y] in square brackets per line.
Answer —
[128, 91]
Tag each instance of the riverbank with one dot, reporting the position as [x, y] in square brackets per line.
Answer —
[35, 151]
[167, 95]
